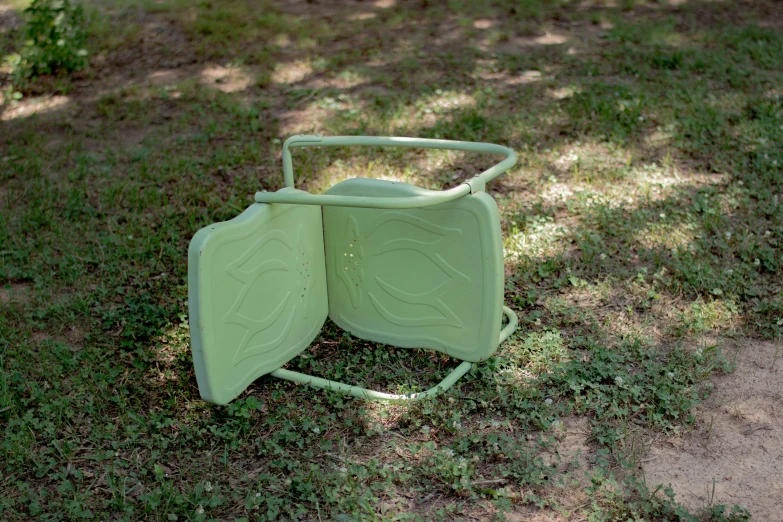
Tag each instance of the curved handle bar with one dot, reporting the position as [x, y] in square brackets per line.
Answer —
[475, 184]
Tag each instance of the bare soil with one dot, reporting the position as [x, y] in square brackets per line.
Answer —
[735, 454]
[15, 292]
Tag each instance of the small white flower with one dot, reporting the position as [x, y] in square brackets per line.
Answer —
[208, 486]
[425, 429]
[130, 237]
[449, 452]
[602, 256]
[316, 430]
[200, 510]
[730, 271]
[343, 469]
[548, 401]
[670, 375]
[258, 495]
[618, 381]
[556, 423]
[663, 216]
[728, 235]
[757, 262]
[768, 233]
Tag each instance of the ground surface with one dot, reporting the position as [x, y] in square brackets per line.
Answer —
[642, 227]
[739, 442]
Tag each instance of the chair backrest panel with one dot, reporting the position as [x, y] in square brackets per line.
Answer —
[257, 295]
[425, 277]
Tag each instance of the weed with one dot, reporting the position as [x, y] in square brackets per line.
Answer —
[55, 38]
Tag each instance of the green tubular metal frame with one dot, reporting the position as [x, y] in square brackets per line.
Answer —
[476, 184]
[290, 196]
[364, 393]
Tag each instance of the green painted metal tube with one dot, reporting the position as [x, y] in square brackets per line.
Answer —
[475, 184]
[303, 198]
[510, 328]
[363, 393]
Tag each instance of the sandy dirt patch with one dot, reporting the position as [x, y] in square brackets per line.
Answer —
[737, 448]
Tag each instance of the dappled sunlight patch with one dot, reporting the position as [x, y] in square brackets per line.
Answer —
[586, 294]
[283, 41]
[348, 79]
[226, 79]
[165, 77]
[529, 76]
[551, 39]
[484, 23]
[708, 316]
[628, 324]
[556, 193]
[313, 116]
[380, 416]
[661, 179]
[660, 137]
[292, 72]
[593, 162]
[341, 170]
[562, 93]
[521, 44]
[539, 237]
[442, 102]
[362, 16]
[302, 121]
[27, 107]
[169, 348]
[668, 232]
[536, 353]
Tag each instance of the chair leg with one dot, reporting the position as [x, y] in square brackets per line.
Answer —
[364, 393]
[511, 327]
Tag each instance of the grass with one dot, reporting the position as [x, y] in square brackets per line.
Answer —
[642, 229]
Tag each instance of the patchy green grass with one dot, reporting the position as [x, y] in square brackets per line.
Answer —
[643, 227]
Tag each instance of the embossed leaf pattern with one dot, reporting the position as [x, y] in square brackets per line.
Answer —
[286, 309]
[411, 233]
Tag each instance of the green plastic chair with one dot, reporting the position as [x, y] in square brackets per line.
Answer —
[389, 262]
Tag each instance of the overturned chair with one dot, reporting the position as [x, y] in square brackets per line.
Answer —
[386, 261]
